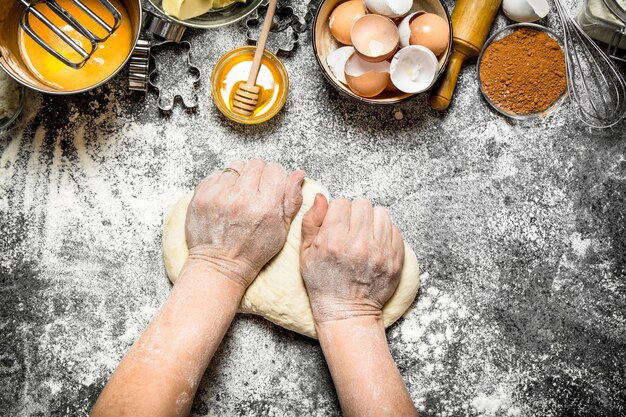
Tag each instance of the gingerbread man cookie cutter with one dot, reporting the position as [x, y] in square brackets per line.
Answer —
[167, 97]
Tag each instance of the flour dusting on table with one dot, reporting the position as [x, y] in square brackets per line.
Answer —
[519, 230]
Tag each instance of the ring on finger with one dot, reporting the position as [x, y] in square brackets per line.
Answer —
[233, 170]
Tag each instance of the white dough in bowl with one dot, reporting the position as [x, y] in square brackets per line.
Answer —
[278, 293]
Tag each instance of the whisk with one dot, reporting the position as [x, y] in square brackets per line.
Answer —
[593, 81]
[69, 19]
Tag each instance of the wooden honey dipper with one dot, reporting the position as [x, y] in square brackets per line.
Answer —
[247, 94]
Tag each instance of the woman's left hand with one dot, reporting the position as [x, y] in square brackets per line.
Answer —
[239, 217]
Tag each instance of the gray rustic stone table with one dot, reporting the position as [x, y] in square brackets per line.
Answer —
[520, 229]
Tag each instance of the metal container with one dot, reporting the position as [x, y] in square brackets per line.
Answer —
[215, 18]
[11, 59]
[599, 22]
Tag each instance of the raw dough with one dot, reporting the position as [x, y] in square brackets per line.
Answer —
[278, 292]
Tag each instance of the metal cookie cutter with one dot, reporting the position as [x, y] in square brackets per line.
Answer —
[285, 27]
[311, 10]
[160, 31]
[154, 26]
[139, 65]
[166, 99]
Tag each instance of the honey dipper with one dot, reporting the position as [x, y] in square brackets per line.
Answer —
[247, 94]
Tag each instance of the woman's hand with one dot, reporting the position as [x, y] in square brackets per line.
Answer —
[239, 217]
[351, 258]
[236, 222]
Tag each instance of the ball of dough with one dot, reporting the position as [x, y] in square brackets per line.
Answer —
[278, 292]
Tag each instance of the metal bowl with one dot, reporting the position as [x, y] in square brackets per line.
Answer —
[324, 43]
[11, 58]
[215, 18]
[506, 32]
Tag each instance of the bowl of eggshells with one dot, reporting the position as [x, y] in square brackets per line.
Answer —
[382, 52]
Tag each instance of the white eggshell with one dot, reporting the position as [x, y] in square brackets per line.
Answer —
[414, 69]
[337, 59]
[525, 10]
[405, 30]
[377, 6]
[541, 7]
[389, 8]
[400, 7]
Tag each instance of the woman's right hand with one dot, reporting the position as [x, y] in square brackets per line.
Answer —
[351, 258]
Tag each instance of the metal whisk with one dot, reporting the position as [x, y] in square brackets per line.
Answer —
[69, 19]
[593, 81]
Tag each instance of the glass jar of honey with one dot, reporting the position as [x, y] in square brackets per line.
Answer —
[233, 68]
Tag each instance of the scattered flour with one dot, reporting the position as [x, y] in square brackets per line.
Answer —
[9, 96]
[84, 198]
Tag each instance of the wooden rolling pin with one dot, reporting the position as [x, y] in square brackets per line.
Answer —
[471, 23]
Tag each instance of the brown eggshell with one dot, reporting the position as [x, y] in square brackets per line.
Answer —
[431, 31]
[367, 79]
[391, 87]
[369, 84]
[343, 18]
[375, 37]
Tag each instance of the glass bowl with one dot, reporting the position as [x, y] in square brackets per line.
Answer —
[6, 122]
[219, 74]
[215, 18]
[501, 34]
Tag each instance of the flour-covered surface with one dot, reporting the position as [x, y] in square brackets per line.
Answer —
[520, 229]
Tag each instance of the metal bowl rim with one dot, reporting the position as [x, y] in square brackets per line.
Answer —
[189, 24]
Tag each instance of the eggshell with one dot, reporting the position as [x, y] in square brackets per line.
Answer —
[366, 79]
[405, 30]
[414, 69]
[541, 7]
[525, 10]
[431, 31]
[375, 37]
[343, 17]
[389, 8]
[391, 86]
[337, 59]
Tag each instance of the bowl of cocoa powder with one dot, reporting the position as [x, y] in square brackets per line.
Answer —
[521, 71]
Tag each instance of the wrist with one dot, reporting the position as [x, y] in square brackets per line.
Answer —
[350, 331]
[330, 310]
[238, 271]
[205, 275]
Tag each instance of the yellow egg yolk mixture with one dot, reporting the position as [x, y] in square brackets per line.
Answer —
[107, 58]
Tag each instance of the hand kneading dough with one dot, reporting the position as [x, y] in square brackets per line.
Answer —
[278, 293]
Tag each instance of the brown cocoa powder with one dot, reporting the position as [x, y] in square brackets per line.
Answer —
[523, 72]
